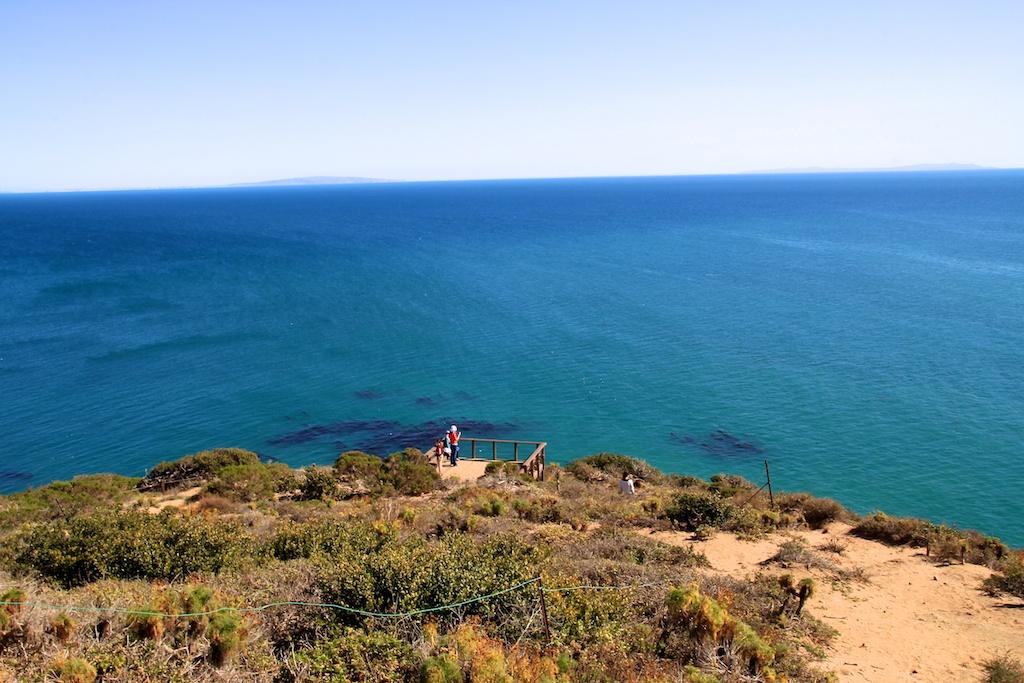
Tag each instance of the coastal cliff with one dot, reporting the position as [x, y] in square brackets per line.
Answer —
[220, 567]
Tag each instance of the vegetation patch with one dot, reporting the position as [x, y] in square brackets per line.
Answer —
[129, 545]
[197, 467]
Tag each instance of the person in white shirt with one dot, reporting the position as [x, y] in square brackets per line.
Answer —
[626, 484]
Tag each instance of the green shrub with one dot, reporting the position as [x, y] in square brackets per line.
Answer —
[129, 545]
[1010, 579]
[615, 465]
[400, 576]
[1003, 669]
[490, 506]
[893, 530]
[202, 465]
[409, 473]
[692, 510]
[588, 619]
[943, 542]
[61, 627]
[701, 621]
[360, 465]
[748, 522]
[11, 606]
[819, 512]
[538, 510]
[319, 484]
[441, 669]
[226, 632]
[63, 499]
[197, 603]
[330, 537]
[148, 622]
[507, 470]
[685, 481]
[728, 485]
[405, 472]
[355, 655]
[246, 483]
[74, 670]
[621, 545]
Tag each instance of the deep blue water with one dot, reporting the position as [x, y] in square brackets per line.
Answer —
[865, 331]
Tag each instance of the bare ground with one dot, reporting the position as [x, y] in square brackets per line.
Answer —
[911, 620]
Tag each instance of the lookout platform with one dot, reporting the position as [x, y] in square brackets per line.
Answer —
[473, 460]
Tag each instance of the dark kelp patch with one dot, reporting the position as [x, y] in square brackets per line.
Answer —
[718, 443]
[368, 394]
[386, 436]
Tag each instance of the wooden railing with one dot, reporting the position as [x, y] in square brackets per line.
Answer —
[532, 465]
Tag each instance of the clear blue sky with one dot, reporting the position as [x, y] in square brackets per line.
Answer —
[152, 93]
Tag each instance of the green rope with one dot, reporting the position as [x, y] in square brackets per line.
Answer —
[567, 589]
[343, 608]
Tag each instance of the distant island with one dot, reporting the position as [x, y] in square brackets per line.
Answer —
[314, 180]
[907, 169]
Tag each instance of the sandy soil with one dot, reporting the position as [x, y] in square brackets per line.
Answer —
[912, 620]
[176, 499]
[466, 470]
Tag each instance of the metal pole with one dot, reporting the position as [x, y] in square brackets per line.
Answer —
[472, 449]
[771, 496]
[494, 450]
[544, 609]
[515, 451]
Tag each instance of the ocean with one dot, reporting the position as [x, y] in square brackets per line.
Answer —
[864, 333]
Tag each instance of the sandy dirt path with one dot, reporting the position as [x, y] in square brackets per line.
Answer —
[912, 620]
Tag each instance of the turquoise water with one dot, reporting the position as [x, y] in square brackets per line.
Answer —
[862, 332]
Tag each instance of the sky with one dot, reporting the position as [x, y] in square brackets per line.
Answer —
[105, 94]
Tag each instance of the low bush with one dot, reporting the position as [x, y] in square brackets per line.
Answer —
[692, 510]
[797, 552]
[685, 481]
[246, 483]
[132, 545]
[202, 465]
[489, 506]
[943, 543]
[74, 670]
[331, 537]
[226, 632]
[539, 510]
[409, 473]
[360, 465]
[892, 530]
[11, 606]
[400, 576]
[748, 522]
[1003, 669]
[510, 471]
[406, 472]
[695, 620]
[1009, 579]
[61, 627]
[319, 484]
[729, 485]
[820, 512]
[613, 464]
[63, 499]
[357, 655]
[622, 545]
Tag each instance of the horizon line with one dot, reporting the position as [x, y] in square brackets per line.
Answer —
[283, 183]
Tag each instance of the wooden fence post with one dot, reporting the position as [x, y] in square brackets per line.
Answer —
[544, 609]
